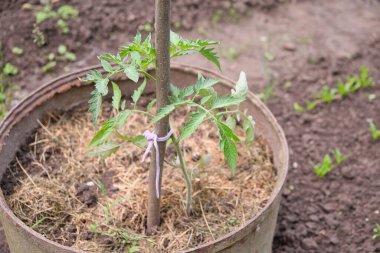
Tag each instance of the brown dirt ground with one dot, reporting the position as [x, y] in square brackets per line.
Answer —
[312, 43]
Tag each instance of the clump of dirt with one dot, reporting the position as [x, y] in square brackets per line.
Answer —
[100, 205]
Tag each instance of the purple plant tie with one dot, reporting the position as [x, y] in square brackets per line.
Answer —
[153, 140]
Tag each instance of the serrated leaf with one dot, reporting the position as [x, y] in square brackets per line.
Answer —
[95, 104]
[174, 38]
[230, 153]
[249, 129]
[122, 118]
[204, 83]
[104, 133]
[231, 122]
[211, 56]
[104, 150]
[116, 96]
[163, 112]
[225, 101]
[101, 86]
[106, 66]
[175, 91]
[139, 141]
[132, 73]
[187, 91]
[226, 132]
[137, 93]
[111, 58]
[136, 58]
[93, 76]
[205, 99]
[192, 125]
[123, 105]
[241, 89]
[151, 104]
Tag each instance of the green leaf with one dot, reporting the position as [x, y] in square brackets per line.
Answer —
[102, 86]
[137, 93]
[67, 11]
[241, 89]
[310, 105]
[231, 122]
[187, 91]
[211, 56]
[62, 49]
[174, 38]
[49, 66]
[122, 118]
[230, 153]
[204, 84]
[116, 96]
[17, 50]
[163, 112]
[123, 105]
[192, 125]
[206, 99]
[226, 132]
[93, 76]
[106, 66]
[104, 133]
[95, 105]
[9, 70]
[132, 73]
[175, 91]
[249, 129]
[298, 108]
[139, 141]
[151, 104]
[104, 150]
[111, 58]
[225, 101]
[322, 169]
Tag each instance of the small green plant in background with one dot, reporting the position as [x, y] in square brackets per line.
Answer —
[62, 14]
[375, 132]
[17, 50]
[9, 70]
[46, 12]
[62, 55]
[328, 164]
[343, 89]
[6, 87]
[376, 232]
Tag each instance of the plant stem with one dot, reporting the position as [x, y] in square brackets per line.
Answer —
[182, 164]
[162, 19]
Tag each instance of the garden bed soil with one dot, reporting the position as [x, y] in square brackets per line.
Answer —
[327, 40]
[63, 194]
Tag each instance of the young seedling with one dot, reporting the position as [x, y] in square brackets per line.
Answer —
[63, 55]
[323, 168]
[343, 89]
[46, 12]
[327, 164]
[374, 131]
[9, 70]
[376, 232]
[135, 60]
[17, 51]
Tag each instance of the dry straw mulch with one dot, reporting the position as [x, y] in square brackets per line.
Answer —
[60, 196]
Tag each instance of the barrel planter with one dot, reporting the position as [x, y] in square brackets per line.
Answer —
[255, 236]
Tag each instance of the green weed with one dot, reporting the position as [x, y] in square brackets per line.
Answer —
[376, 232]
[375, 132]
[342, 89]
[327, 165]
